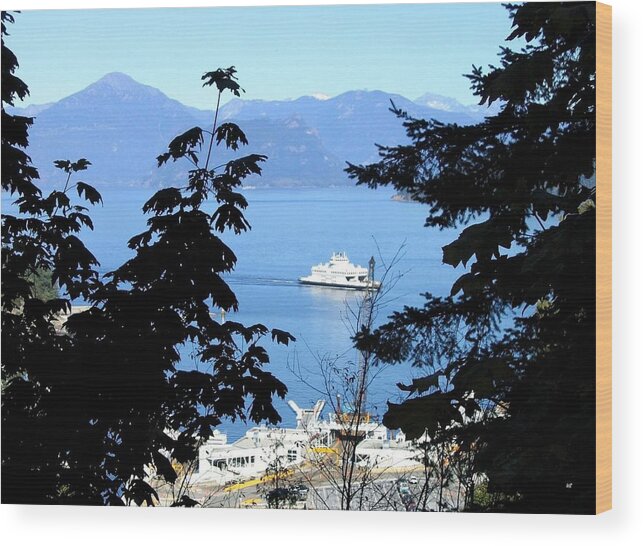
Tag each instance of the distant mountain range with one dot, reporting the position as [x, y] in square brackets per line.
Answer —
[121, 125]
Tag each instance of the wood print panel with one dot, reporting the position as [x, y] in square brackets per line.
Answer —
[604, 258]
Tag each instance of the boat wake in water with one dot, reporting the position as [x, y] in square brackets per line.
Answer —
[249, 280]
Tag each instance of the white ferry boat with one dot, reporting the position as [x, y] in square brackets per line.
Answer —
[339, 272]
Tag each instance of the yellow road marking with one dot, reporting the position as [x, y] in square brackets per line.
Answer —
[257, 481]
[325, 450]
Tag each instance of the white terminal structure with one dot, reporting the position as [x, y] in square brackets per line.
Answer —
[252, 455]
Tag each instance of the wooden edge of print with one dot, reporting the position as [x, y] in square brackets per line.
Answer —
[603, 257]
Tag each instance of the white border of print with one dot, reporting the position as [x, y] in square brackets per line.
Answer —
[75, 526]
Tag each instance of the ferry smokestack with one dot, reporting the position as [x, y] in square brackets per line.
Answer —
[371, 269]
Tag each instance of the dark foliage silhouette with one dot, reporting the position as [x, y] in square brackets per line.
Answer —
[521, 184]
[91, 411]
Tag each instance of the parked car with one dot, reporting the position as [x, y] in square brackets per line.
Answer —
[404, 490]
[413, 480]
[301, 491]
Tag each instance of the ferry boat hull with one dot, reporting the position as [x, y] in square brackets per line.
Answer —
[347, 286]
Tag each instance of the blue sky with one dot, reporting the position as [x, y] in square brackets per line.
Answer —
[280, 52]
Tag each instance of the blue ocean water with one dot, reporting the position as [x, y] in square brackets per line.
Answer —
[293, 229]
